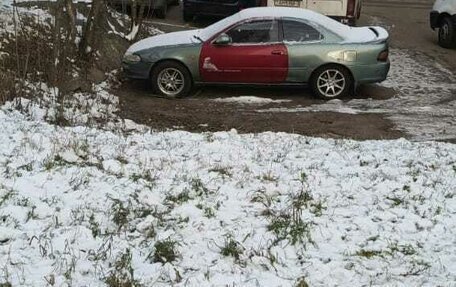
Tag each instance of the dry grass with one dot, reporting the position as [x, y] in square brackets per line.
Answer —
[27, 57]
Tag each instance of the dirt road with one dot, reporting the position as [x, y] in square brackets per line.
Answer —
[376, 112]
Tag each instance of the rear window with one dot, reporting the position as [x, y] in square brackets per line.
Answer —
[296, 31]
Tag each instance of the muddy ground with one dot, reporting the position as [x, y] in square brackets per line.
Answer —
[201, 112]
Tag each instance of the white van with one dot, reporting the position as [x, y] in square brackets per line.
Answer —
[347, 11]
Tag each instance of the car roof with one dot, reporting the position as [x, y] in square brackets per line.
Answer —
[300, 13]
[347, 33]
[278, 12]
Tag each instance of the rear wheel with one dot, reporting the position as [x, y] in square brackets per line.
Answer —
[331, 82]
[171, 79]
[447, 33]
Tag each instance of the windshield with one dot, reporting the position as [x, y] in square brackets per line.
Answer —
[217, 27]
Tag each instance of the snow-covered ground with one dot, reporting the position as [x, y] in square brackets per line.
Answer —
[249, 100]
[81, 206]
[9, 17]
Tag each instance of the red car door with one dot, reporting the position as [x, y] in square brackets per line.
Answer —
[253, 55]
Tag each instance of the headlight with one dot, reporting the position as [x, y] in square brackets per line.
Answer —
[131, 58]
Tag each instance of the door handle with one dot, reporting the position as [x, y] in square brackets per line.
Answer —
[277, 52]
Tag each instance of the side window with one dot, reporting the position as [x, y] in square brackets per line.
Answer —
[260, 31]
[295, 31]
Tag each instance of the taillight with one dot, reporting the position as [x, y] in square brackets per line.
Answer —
[351, 8]
[383, 56]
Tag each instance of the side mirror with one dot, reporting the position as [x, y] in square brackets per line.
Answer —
[223, 39]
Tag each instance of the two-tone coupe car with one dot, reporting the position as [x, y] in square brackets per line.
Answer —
[266, 46]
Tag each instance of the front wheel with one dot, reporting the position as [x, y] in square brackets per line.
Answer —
[171, 79]
[447, 33]
[331, 82]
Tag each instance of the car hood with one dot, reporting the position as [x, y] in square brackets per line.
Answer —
[168, 39]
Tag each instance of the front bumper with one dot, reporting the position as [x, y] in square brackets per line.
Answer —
[140, 70]
[434, 19]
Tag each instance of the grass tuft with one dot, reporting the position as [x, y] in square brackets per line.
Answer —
[368, 253]
[165, 251]
[120, 214]
[302, 283]
[232, 248]
[182, 197]
[123, 273]
[291, 228]
[223, 171]
[198, 187]
[94, 226]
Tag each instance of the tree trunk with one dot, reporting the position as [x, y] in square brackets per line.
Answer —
[71, 12]
[89, 28]
[136, 18]
[56, 44]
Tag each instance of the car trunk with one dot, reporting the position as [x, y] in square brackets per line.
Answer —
[369, 34]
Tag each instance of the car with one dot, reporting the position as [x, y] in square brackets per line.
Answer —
[159, 7]
[217, 8]
[443, 17]
[345, 11]
[263, 46]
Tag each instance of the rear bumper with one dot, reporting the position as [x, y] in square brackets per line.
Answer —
[371, 73]
[434, 19]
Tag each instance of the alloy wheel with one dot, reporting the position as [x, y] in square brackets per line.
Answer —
[331, 83]
[170, 81]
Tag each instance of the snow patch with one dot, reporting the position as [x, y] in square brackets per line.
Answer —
[329, 106]
[249, 100]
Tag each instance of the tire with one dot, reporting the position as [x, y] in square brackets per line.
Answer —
[166, 77]
[331, 82]
[447, 33]
[187, 16]
[161, 13]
